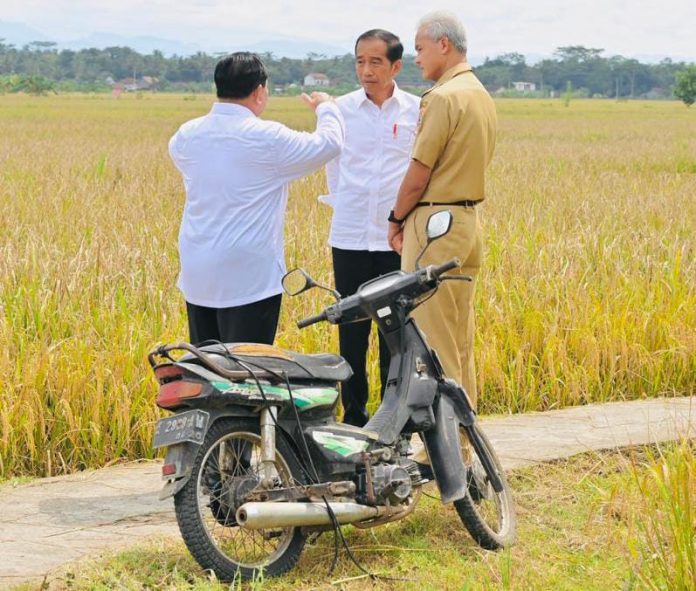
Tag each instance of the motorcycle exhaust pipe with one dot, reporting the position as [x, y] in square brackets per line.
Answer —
[273, 514]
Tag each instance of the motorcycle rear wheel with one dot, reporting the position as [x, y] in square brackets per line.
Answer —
[489, 516]
[227, 466]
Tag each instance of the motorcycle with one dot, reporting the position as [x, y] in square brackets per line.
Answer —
[257, 462]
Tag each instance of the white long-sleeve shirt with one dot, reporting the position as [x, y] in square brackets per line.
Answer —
[236, 169]
[364, 180]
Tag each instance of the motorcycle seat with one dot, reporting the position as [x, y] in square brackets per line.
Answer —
[298, 366]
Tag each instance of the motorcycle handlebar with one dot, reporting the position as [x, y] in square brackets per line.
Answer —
[444, 267]
[305, 322]
[424, 277]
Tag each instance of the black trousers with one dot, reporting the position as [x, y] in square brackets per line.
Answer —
[251, 323]
[351, 269]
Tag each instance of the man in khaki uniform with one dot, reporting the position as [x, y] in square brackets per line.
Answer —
[453, 146]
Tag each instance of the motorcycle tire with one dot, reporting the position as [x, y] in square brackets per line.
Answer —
[489, 516]
[226, 467]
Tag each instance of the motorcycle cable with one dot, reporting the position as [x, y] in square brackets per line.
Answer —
[338, 530]
[246, 366]
[314, 476]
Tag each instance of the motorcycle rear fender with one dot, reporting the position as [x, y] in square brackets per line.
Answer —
[442, 442]
[182, 455]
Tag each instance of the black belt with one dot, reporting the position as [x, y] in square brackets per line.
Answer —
[464, 203]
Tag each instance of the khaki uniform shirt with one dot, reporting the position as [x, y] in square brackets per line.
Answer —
[456, 136]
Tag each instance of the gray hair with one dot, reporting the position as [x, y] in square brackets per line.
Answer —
[439, 24]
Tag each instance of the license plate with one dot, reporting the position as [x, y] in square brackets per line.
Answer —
[186, 426]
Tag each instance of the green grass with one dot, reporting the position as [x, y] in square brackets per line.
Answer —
[11, 482]
[663, 543]
[575, 517]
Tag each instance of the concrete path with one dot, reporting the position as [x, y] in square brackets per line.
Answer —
[49, 522]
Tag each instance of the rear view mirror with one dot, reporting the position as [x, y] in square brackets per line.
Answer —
[296, 281]
[438, 224]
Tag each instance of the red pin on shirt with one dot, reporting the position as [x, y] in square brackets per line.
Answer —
[395, 130]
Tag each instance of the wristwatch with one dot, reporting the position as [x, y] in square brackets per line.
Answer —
[392, 218]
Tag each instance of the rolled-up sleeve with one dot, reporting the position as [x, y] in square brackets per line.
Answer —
[299, 153]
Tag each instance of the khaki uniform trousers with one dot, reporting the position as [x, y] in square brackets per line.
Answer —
[447, 318]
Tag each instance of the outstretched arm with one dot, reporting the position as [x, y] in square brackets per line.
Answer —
[299, 153]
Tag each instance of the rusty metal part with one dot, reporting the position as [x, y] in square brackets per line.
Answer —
[371, 499]
[382, 454]
[342, 488]
[311, 492]
[234, 375]
[389, 517]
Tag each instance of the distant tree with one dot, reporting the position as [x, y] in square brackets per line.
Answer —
[42, 45]
[685, 88]
[578, 53]
[589, 73]
[36, 85]
[514, 59]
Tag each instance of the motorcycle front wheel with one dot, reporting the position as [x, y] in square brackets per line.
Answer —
[488, 515]
[227, 467]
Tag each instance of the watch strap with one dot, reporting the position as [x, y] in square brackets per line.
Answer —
[392, 218]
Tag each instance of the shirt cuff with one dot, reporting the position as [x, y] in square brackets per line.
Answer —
[329, 200]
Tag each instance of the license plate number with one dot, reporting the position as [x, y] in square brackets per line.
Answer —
[186, 426]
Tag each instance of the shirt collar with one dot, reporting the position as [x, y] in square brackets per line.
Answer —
[397, 94]
[453, 72]
[231, 109]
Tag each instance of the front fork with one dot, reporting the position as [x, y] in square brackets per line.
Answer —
[269, 417]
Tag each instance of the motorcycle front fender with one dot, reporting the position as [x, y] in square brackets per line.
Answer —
[443, 447]
[182, 457]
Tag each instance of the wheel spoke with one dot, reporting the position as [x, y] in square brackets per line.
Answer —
[234, 461]
[487, 514]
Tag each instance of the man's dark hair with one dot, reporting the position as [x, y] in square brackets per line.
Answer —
[395, 50]
[239, 74]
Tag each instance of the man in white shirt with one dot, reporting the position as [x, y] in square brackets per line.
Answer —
[236, 169]
[363, 183]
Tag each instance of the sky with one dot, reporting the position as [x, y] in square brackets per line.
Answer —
[629, 28]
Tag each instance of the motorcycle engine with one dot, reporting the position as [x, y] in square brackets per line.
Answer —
[392, 483]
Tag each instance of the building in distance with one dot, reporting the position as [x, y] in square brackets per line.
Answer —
[524, 86]
[316, 79]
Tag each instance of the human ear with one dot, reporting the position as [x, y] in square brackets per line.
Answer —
[259, 93]
[444, 44]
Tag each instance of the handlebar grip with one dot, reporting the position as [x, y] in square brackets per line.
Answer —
[444, 267]
[305, 322]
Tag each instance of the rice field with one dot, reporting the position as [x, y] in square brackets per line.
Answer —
[588, 291]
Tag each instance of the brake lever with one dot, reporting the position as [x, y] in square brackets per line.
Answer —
[468, 278]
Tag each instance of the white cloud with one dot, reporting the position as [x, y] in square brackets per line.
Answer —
[536, 26]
